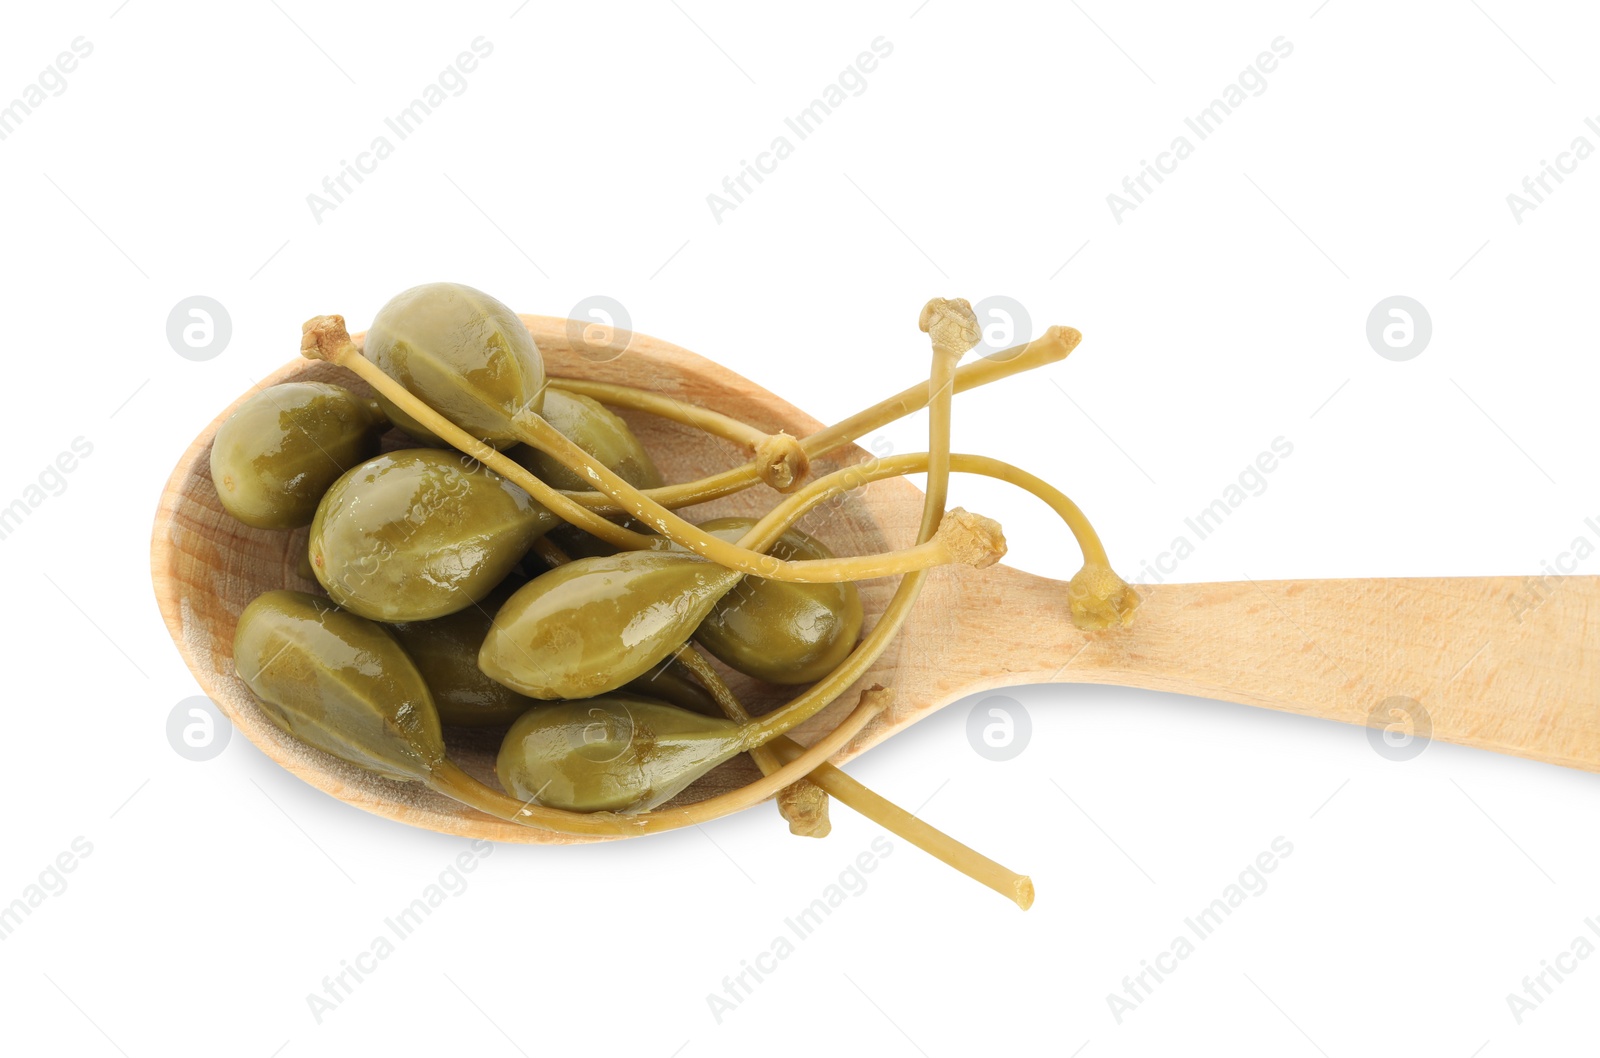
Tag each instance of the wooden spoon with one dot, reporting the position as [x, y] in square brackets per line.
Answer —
[1465, 658]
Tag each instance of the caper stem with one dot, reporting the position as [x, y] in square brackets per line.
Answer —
[1097, 597]
[534, 430]
[1052, 346]
[326, 338]
[618, 396]
[713, 682]
[817, 823]
[953, 329]
[794, 507]
[549, 553]
[874, 806]
[940, 390]
[930, 839]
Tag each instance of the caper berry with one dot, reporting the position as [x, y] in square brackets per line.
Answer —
[592, 625]
[420, 533]
[466, 356]
[337, 682]
[776, 631]
[278, 453]
[616, 753]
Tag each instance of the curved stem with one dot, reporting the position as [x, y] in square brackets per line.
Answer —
[794, 507]
[932, 551]
[1054, 345]
[702, 490]
[618, 396]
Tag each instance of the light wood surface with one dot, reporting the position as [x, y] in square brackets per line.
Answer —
[1463, 657]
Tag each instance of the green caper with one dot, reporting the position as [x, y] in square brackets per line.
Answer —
[594, 624]
[339, 683]
[445, 651]
[773, 630]
[616, 753]
[466, 356]
[780, 632]
[420, 533]
[275, 457]
[597, 430]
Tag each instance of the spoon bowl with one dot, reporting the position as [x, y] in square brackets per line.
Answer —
[1463, 660]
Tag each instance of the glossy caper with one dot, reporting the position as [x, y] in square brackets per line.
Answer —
[597, 430]
[445, 651]
[776, 631]
[420, 533]
[594, 624]
[278, 453]
[466, 355]
[616, 753]
[338, 682]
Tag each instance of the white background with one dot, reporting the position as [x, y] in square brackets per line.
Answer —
[1227, 310]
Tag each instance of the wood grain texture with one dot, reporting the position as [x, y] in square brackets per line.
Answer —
[1482, 671]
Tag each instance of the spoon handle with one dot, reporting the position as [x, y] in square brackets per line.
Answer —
[1507, 664]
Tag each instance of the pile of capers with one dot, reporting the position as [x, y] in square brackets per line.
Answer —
[521, 566]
